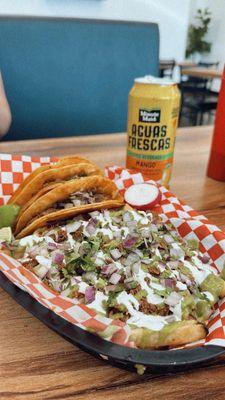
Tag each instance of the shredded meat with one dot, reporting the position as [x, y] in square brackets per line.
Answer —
[164, 310]
[75, 294]
[148, 308]
[135, 290]
[77, 176]
[43, 213]
[156, 219]
[60, 236]
[80, 198]
[46, 212]
[154, 270]
[76, 235]
[114, 310]
[108, 260]
[30, 264]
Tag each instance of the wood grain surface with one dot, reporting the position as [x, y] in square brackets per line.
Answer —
[36, 363]
[187, 64]
[197, 72]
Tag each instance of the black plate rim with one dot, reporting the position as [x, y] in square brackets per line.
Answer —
[96, 345]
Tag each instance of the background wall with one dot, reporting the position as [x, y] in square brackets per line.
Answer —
[171, 15]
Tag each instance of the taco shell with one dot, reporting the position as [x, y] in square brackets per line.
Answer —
[69, 160]
[40, 193]
[175, 334]
[44, 210]
[54, 175]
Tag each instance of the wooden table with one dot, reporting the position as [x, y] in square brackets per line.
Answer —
[186, 64]
[207, 73]
[36, 363]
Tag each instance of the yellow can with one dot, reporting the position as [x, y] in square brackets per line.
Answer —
[153, 112]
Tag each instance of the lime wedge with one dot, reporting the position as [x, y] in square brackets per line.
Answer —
[8, 214]
[6, 234]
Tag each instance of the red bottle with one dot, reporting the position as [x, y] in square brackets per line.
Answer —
[216, 166]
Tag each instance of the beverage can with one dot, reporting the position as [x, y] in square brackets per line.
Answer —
[153, 112]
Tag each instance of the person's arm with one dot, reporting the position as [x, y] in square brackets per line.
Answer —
[5, 113]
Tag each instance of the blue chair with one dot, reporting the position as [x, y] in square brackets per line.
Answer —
[66, 77]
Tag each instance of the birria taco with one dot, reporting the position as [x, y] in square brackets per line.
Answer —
[54, 175]
[69, 199]
[69, 160]
[40, 193]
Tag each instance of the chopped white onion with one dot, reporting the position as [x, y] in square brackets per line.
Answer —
[46, 262]
[115, 253]
[114, 278]
[173, 264]
[40, 270]
[135, 267]
[73, 226]
[173, 299]
[177, 252]
[127, 217]
[168, 238]
[132, 258]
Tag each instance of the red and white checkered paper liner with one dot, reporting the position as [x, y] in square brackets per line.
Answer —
[188, 223]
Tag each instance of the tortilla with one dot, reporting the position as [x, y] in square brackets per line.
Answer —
[74, 160]
[63, 161]
[54, 175]
[173, 335]
[58, 216]
[111, 199]
[26, 181]
[40, 193]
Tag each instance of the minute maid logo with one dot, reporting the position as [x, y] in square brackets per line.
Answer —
[149, 115]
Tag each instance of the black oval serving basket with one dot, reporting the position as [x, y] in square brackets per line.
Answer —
[121, 356]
